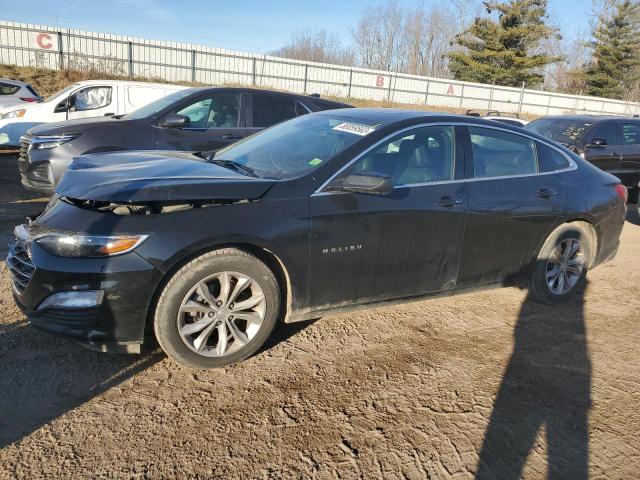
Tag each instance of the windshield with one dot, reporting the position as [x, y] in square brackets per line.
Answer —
[157, 105]
[563, 130]
[61, 92]
[294, 148]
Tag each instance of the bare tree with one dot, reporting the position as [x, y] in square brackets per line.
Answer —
[427, 36]
[317, 46]
[378, 37]
[564, 76]
[464, 10]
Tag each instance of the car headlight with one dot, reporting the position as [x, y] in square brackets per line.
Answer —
[79, 245]
[14, 114]
[42, 142]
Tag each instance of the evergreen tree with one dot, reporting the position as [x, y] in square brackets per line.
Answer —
[504, 51]
[615, 69]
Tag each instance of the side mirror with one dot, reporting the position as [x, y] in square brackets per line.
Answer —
[371, 183]
[598, 143]
[173, 120]
[63, 106]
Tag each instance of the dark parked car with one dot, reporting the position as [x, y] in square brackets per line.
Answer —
[194, 119]
[610, 143]
[321, 213]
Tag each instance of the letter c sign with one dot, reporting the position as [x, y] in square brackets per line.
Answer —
[44, 41]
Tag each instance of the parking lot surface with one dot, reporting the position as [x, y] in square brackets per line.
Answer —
[482, 384]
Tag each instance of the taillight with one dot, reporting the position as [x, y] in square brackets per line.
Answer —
[621, 190]
[29, 99]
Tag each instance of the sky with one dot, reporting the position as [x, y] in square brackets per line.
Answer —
[250, 25]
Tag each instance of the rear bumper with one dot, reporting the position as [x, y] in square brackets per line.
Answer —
[609, 230]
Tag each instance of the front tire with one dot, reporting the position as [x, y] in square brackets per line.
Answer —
[561, 266]
[218, 309]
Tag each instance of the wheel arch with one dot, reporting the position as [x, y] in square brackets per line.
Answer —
[261, 252]
[578, 219]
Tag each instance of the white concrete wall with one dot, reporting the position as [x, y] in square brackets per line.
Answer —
[38, 45]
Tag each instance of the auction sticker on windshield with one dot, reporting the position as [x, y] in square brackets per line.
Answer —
[354, 128]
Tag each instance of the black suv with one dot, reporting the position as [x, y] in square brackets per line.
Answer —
[610, 143]
[196, 119]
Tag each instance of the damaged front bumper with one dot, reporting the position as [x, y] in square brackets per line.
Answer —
[101, 302]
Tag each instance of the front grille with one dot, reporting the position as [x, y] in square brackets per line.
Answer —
[25, 140]
[23, 159]
[21, 267]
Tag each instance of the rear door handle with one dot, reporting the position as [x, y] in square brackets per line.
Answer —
[231, 136]
[546, 193]
[448, 202]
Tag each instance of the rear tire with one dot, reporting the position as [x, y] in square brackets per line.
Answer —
[561, 266]
[218, 309]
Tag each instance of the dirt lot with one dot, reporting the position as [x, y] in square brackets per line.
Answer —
[487, 384]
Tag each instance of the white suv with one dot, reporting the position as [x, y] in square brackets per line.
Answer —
[14, 93]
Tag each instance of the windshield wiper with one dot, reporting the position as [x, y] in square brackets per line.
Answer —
[238, 167]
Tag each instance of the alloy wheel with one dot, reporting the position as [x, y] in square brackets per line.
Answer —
[221, 314]
[565, 266]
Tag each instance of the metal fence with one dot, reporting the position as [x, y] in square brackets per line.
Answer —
[57, 48]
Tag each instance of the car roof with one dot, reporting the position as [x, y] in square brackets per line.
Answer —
[584, 117]
[13, 82]
[262, 90]
[130, 83]
[392, 115]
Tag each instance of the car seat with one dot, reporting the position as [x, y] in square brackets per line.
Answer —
[414, 164]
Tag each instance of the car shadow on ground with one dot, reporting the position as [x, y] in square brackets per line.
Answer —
[16, 203]
[546, 388]
[283, 332]
[45, 376]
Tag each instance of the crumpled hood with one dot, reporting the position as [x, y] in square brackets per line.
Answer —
[74, 126]
[152, 176]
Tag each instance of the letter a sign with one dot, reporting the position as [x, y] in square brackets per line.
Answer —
[450, 89]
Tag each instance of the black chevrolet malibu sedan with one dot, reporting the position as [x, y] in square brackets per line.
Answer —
[325, 212]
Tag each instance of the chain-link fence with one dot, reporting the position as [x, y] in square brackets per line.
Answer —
[57, 48]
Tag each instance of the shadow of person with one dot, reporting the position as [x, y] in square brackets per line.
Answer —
[546, 386]
[44, 377]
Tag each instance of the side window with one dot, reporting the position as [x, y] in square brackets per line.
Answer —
[422, 155]
[631, 133]
[198, 113]
[549, 159]
[90, 98]
[605, 130]
[220, 110]
[7, 89]
[271, 109]
[497, 153]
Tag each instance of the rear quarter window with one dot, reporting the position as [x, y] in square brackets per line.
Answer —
[550, 159]
[8, 89]
[497, 153]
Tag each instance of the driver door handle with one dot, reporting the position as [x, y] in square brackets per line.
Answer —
[448, 202]
[546, 193]
[231, 136]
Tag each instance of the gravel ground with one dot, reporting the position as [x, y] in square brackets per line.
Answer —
[486, 384]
